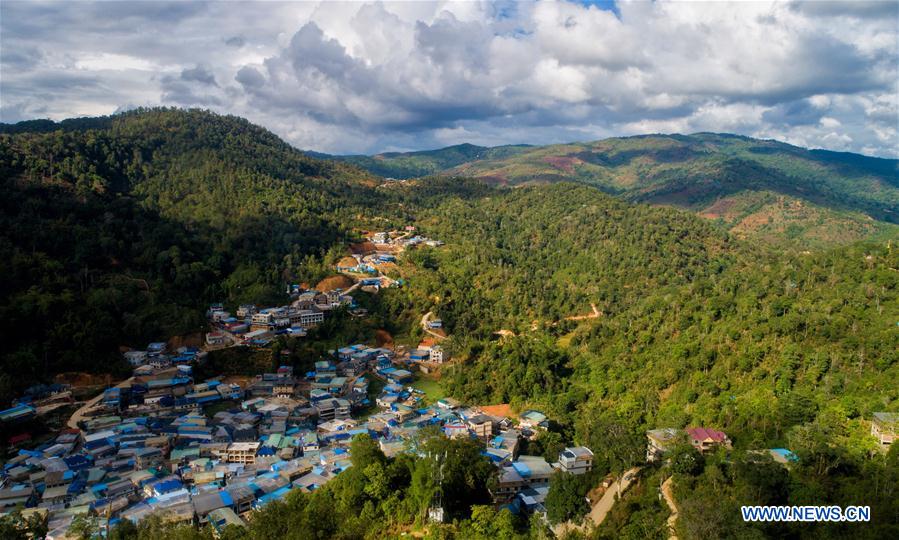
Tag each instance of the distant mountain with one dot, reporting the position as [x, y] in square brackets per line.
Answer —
[757, 188]
[425, 163]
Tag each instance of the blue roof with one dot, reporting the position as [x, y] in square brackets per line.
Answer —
[786, 454]
[167, 486]
[521, 469]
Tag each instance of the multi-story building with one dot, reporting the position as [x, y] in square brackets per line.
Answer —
[525, 472]
[242, 452]
[576, 460]
[331, 409]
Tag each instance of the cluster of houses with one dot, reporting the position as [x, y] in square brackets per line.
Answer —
[884, 429]
[157, 357]
[384, 238]
[213, 452]
[156, 445]
[704, 440]
[254, 326]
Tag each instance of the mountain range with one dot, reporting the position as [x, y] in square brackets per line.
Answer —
[759, 189]
[615, 286]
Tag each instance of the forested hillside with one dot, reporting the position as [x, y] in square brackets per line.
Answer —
[757, 189]
[779, 350]
[616, 316]
[405, 165]
[116, 231]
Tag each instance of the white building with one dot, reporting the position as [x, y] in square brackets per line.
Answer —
[576, 460]
[307, 317]
[136, 358]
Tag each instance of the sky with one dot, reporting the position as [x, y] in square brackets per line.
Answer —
[367, 77]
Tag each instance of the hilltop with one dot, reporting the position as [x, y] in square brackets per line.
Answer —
[116, 230]
[755, 188]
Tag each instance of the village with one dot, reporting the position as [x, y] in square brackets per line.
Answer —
[213, 451]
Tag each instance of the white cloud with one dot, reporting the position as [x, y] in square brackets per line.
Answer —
[364, 77]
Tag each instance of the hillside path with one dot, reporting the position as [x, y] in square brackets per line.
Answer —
[669, 499]
[601, 508]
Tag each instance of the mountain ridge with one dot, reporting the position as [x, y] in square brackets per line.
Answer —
[699, 171]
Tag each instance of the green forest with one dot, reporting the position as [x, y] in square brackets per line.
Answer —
[119, 231]
[758, 189]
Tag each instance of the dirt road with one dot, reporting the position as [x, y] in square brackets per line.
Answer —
[424, 326]
[78, 415]
[601, 508]
[669, 499]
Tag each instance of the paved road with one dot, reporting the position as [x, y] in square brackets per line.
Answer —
[669, 498]
[78, 415]
[601, 507]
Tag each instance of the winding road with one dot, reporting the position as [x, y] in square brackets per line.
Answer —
[601, 508]
[669, 499]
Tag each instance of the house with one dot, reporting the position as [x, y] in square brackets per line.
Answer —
[283, 388]
[307, 318]
[436, 354]
[380, 238]
[261, 319]
[532, 420]
[400, 376]
[526, 472]
[246, 310]
[136, 358]
[19, 413]
[221, 518]
[481, 425]
[885, 428]
[706, 439]
[434, 324]
[259, 334]
[242, 452]
[660, 441]
[330, 409]
[310, 442]
[215, 338]
[18, 494]
[448, 403]
[576, 460]
[204, 503]
[532, 499]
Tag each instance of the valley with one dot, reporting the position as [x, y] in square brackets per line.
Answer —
[742, 287]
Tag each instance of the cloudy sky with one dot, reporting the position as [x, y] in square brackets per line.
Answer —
[369, 77]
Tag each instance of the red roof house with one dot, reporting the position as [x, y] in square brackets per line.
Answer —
[704, 439]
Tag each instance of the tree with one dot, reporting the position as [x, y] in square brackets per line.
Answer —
[685, 459]
[364, 451]
[84, 527]
[567, 497]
